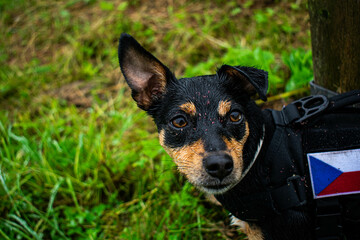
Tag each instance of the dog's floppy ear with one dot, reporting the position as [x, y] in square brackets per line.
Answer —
[249, 79]
[146, 75]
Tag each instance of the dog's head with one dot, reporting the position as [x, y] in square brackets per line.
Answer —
[207, 124]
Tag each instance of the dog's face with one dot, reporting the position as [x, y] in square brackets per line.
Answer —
[207, 124]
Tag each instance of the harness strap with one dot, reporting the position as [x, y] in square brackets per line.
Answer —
[308, 107]
[292, 191]
[260, 205]
[345, 99]
[301, 110]
[328, 219]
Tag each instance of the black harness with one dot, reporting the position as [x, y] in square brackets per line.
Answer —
[312, 124]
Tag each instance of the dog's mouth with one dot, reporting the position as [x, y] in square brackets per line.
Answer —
[216, 189]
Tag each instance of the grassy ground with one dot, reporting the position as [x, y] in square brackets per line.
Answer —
[78, 160]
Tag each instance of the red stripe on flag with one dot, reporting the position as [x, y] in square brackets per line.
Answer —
[346, 183]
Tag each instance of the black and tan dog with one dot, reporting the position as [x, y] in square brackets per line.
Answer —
[213, 131]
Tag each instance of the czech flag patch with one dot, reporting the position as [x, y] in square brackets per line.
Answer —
[335, 173]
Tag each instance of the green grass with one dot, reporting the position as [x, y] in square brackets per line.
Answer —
[78, 160]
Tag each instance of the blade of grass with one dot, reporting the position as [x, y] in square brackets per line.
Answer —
[73, 194]
[199, 225]
[42, 217]
[52, 196]
[2, 180]
[77, 155]
[24, 224]
[4, 235]
[16, 228]
[123, 206]
[4, 141]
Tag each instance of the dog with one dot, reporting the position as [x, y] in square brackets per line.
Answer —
[216, 134]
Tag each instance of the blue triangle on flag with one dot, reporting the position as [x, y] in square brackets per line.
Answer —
[322, 174]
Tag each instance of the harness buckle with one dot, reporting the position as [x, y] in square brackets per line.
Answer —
[299, 186]
[310, 106]
[289, 195]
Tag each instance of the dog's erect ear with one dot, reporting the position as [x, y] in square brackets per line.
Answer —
[146, 76]
[249, 79]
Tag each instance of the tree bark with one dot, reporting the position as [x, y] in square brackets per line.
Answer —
[335, 37]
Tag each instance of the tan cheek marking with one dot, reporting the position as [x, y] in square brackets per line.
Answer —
[188, 158]
[224, 107]
[189, 108]
[162, 138]
[236, 150]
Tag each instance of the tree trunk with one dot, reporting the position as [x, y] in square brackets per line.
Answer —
[335, 37]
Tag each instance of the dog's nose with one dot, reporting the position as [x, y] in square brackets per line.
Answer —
[218, 166]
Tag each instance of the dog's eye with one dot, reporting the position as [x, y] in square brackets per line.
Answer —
[235, 116]
[179, 122]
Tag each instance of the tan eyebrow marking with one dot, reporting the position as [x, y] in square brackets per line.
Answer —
[224, 107]
[189, 108]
